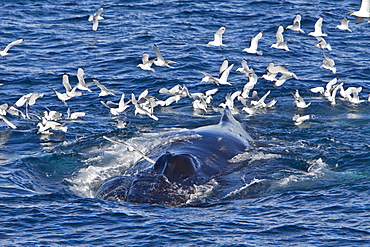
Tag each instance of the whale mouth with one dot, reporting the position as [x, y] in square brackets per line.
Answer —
[171, 182]
[145, 187]
[157, 189]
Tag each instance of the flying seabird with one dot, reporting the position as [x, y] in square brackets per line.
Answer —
[159, 60]
[95, 18]
[322, 43]
[254, 44]
[344, 25]
[296, 24]
[318, 28]
[146, 64]
[5, 51]
[280, 43]
[364, 9]
[218, 38]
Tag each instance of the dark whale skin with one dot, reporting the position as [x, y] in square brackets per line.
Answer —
[180, 166]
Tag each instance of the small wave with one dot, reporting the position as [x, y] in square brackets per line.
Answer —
[243, 190]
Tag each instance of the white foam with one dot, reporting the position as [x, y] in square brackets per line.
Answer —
[241, 189]
[317, 169]
[252, 156]
[202, 191]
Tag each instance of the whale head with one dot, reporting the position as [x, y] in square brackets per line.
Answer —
[170, 182]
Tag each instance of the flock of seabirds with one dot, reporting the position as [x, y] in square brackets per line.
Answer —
[145, 104]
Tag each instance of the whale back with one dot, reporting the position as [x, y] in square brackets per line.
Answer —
[228, 125]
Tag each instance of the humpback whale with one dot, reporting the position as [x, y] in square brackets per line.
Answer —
[201, 155]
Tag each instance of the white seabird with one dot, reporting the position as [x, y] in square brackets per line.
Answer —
[75, 115]
[298, 119]
[71, 92]
[10, 124]
[229, 100]
[328, 63]
[245, 68]
[3, 109]
[248, 86]
[261, 102]
[176, 90]
[296, 24]
[122, 105]
[95, 18]
[283, 78]
[29, 100]
[254, 44]
[209, 78]
[206, 97]
[328, 88]
[104, 91]
[45, 126]
[322, 43]
[146, 64]
[253, 78]
[352, 94]
[200, 104]
[280, 43]
[318, 28]
[141, 110]
[52, 115]
[81, 80]
[331, 97]
[223, 67]
[5, 51]
[218, 38]
[159, 60]
[364, 10]
[223, 74]
[272, 71]
[320, 90]
[344, 25]
[299, 101]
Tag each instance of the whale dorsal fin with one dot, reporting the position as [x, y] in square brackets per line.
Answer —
[227, 116]
[232, 125]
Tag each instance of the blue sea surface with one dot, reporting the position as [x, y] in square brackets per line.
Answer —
[306, 185]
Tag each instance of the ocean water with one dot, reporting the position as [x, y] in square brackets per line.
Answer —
[306, 185]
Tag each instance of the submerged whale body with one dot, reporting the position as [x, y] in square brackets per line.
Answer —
[180, 167]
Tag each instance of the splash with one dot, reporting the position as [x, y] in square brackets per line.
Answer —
[115, 159]
[316, 170]
[201, 192]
